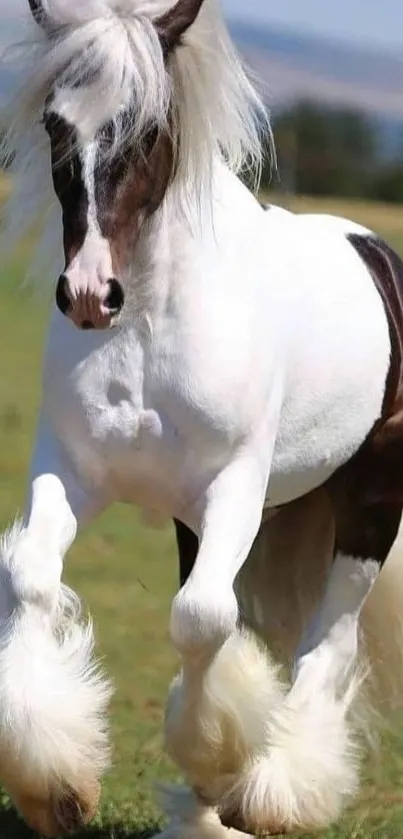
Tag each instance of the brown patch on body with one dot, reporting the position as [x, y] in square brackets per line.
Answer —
[367, 492]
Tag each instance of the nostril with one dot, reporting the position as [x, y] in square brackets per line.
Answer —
[116, 297]
[62, 299]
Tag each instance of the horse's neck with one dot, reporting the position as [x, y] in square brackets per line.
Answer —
[165, 248]
[146, 278]
[178, 242]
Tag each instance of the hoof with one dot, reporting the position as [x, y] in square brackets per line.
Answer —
[62, 813]
[234, 820]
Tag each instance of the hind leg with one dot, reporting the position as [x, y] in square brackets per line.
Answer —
[330, 644]
[284, 579]
[53, 744]
[307, 769]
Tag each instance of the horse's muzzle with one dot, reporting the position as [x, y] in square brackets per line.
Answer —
[87, 309]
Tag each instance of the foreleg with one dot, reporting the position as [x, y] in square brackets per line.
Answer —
[53, 698]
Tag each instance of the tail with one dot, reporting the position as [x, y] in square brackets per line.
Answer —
[382, 634]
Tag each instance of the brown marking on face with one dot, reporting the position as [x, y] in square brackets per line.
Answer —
[129, 187]
[129, 190]
[68, 182]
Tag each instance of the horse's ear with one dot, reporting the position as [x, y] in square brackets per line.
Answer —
[174, 23]
[39, 14]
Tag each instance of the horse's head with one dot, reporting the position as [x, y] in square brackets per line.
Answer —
[110, 179]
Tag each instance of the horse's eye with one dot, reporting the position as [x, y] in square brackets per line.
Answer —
[150, 140]
[70, 168]
[50, 123]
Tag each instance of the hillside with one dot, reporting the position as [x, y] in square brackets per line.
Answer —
[292, 65]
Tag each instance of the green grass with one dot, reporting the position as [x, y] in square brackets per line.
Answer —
[127, 575]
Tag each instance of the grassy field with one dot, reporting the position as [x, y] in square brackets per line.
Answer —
[127, 575]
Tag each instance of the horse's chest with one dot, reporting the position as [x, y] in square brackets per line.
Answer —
[131, 429]
[118, 437]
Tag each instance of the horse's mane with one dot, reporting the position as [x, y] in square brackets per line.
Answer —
[111, 55]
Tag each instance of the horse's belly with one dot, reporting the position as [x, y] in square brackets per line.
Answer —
[305, 459]
[313, 443]
[293, 476]
[334, 399]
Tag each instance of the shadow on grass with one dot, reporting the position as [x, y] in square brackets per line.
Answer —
[116, 831]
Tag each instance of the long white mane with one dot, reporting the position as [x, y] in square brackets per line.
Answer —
[109, 53]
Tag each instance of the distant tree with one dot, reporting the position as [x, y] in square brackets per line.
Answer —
[250, 176]
[388, 183]
[324, 151]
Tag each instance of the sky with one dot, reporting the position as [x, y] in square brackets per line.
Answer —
[366, 22]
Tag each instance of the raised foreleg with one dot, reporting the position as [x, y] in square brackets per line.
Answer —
[53, 740]
[218, 705]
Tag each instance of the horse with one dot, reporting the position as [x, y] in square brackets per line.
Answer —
[236, 369]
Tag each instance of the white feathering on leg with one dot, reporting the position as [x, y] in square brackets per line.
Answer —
[216, 719]
[308, 769]
[53, 697]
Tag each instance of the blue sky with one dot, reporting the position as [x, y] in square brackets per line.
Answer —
[366, 22]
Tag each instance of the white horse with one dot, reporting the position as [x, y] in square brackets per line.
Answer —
[255, 364]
